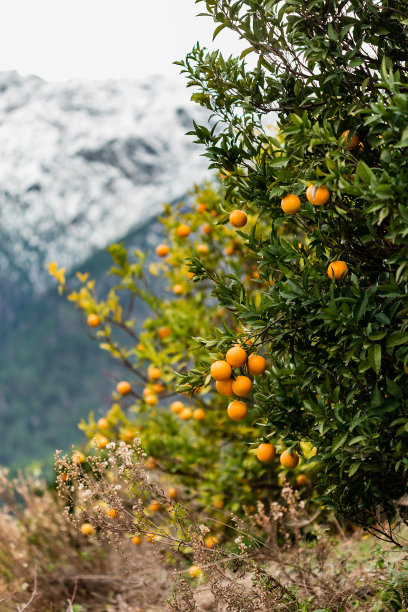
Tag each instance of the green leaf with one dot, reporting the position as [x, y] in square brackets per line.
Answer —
[374, 357]
[338, 442]
[354, 467]
[396, 339]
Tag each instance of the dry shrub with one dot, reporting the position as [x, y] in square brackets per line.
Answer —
[267, 565]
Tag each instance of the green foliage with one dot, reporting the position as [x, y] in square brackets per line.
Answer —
[338, 348]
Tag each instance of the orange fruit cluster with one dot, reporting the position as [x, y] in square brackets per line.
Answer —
[241, 385]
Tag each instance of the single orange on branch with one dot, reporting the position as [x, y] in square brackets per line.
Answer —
[256, 365]
[238, 218]
[93, 320]
[183, 230]
[353, 142]
[317, 195]
[162, 250]
[266, 452]
[289, 460]
[224, 387]
[153, 373]
[336, 269]
[237, 410]
[221, 370]
[291, 204]
[236, 356]
[199, 414]
[123, 387]
[241, 386]
[176, 406]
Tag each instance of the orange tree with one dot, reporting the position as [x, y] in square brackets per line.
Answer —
[202, 456]
[334, 321]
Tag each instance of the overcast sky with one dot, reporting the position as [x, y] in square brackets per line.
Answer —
[97, 39]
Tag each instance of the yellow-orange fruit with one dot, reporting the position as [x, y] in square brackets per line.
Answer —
[164, 332]
[190, 275]
[87, 529]
[203, 249]
[159, 388]
[103, 423]
[123, 387]
[162, 250]
[236, 356]
[221, 370]
[241, 386]
[151, 400]
[127, 436]
[353, 143]
[195, 571]
[151, 462]
[218, 503]
[137, 540]
[291, 204]
[266, 452]
[238, 218]
[229, 250]
[111, 513]
[172, 493]
[302, 480]
[289, 460]
[211, 541]
[256, 365]
[237, 410]
[201, 207]
[154, 506]
[199, 414]
[207, 229]
[224, 386]
[178, 289]
[322, 194]
[100, 441]
[93, 320]
[176, 406]
[78, 457]
[183, 230]
[153, 373]
[186, 414]
[150, 537]
[336, 269]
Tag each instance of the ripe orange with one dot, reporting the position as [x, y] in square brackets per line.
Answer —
[151, 462]
[224, 386]
[320, 197]
[123, 387]
[178, 289]
[183, 230]
[176, 406]
[153, 373]
[302, 480]
[238, 218]
[211, 541]
[202, 207]
[195, 571]
[289, 460]
[336, 269]
[266, 452]
[111, 513]
[87, 529]
[354, 142]
[154, 506]
[221, 370]
[172, 493]
[237, 410]
[93, 320]
[229, 250]
[127, 436]
[164, 332]
[186, 414]
[78, 457]
[203, 249]
[291, 204]
[103, 423]
[236, 356]
[137, 540]
[190, 275]
[100, 441]
[64, 476]
[199, 414]
[207, 229]
[159, 388]
[150, 537]
[241, 386]
[151, 399]
[162, 250]
[256, 365]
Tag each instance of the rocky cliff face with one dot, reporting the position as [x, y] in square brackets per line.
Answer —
[81, 164]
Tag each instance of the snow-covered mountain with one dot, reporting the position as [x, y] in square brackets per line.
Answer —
[81, 163]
